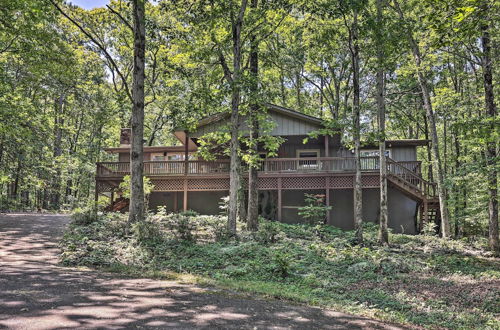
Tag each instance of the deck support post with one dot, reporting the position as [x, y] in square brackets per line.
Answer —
[186, 153]
[96, 193]
[175, 201]
[327, 199]
[327, 146]
[279, 200]
[426, 212]
[185, 199]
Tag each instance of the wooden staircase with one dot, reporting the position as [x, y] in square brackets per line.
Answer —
[430, 211]
[417, 188]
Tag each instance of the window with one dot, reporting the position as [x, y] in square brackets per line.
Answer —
[171, 156]
[175, 157]
[308, 164]
[373, 153]
[158, 157]
[371, 163]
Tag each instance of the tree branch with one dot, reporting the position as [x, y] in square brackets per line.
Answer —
[121, 18]
[97, 43]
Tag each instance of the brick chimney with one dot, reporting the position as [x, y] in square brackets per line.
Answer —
[125, 137]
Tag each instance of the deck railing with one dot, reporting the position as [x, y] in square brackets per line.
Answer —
[411, 176]
[406, 171]
[411, 170]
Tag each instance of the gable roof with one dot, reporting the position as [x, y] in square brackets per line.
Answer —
[271, 107]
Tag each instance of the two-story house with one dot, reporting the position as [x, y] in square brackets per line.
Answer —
[323, 165]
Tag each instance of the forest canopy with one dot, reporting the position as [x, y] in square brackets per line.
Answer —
[67, 76]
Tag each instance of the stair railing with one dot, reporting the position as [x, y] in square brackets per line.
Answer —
[410, 178]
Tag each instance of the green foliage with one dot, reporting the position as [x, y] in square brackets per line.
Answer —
[84, 216]
[268, 232]
[125, 187]
[429, 229]
[180, 223]
[315, 210]
[420, 280]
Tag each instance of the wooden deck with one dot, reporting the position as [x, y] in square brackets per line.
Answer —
[324, 173]
[293, 173]
[271, 165]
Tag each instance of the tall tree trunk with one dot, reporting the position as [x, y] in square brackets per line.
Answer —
[430, 177]
[358, 189]
[136, 207]
[383, 235]
[234, 173]
[57, 151]
[458, 186]
[437, 166]
[253, 194]
[491, 152]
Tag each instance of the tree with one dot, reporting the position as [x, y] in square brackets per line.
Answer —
[356, 129]
[426, 96]
[136, 210]
[253, 194]
[383, 235]
[491, 145]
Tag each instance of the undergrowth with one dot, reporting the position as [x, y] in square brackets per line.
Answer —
[418, 280]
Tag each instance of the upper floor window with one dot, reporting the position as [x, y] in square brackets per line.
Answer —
[373, 153]
[308, 164]
[308, 153]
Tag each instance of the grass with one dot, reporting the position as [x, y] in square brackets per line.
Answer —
[418, 280]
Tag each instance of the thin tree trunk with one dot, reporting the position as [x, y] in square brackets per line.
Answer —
[491, 152]
[438, 169]
[458, 211]
[234, 173]
[358, 190]
[253, 194]
[57, 151]
[136, 207]
[383, 235]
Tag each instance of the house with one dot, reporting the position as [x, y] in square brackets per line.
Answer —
[323, 165]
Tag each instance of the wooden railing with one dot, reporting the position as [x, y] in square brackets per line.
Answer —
[411, 177]
[161, 168]
[408, 171]
[321, 164]
[270, 165]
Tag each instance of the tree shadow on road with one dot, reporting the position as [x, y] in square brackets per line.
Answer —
[37, 293]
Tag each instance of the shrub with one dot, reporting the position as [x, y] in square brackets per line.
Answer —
[147, 232]
[315, 210]
[429, 229]
[268, 233]
[148, 188]
[224, 206]
[189, 213]
[282, 263]
[84, 216]
[182, 226]
[217, 227]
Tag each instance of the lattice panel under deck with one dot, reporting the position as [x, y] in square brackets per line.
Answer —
[208, 184]
[341, 182]
[103, 186]
[168, 185]
[371, 181]
[303, 183]
[268, 183]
